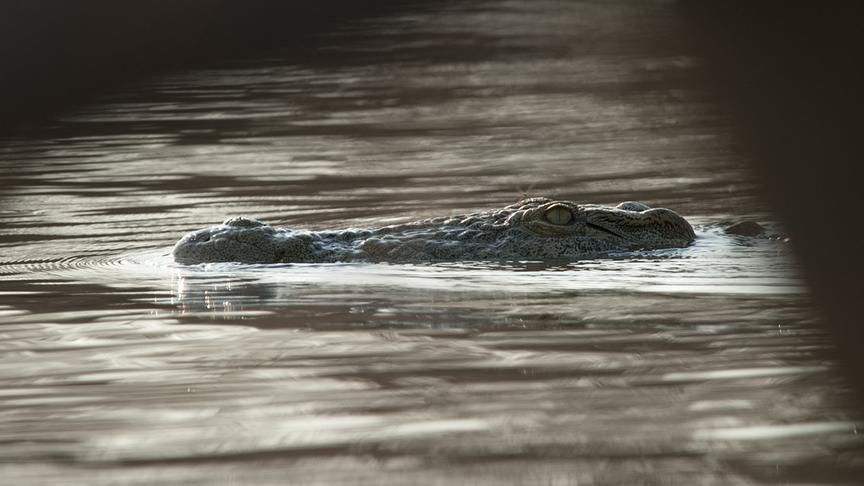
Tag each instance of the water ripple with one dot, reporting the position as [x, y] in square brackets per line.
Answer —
[702, 365]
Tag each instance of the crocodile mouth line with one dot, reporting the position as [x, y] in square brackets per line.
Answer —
[605, 230]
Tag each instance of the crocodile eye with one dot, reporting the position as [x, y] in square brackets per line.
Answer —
[204, 238]
[559, 215]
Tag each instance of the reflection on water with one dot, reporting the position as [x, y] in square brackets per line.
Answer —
[690, 366]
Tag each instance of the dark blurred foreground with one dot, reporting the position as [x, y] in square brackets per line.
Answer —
[792, 75]
[56, 53]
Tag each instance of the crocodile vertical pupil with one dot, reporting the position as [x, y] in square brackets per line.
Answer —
[559, 215]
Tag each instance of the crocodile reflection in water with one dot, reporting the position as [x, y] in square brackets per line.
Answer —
[532, 229]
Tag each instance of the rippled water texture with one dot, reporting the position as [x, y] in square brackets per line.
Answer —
[694, 366]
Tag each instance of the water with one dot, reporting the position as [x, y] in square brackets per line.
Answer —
[701, 365]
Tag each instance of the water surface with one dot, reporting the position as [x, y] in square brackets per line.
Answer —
[701, 365]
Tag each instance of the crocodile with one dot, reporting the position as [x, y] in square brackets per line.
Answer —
[535, 228]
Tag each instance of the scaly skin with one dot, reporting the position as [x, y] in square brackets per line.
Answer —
[532, 229]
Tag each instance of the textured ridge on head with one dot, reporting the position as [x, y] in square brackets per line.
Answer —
[243, 222]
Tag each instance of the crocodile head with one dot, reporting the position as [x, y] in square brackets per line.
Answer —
[547, 229]
[628, 226]
[532, 229]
